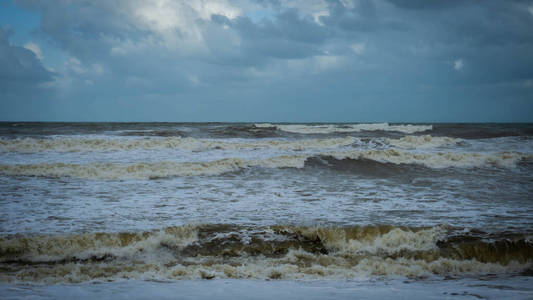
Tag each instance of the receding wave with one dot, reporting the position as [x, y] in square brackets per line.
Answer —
[332, 128]
[194, 144]
[275, 252]
[146, 170]
[423, 141]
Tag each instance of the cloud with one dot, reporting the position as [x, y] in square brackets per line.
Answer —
[458, 64]
[429, 4]
[196, 55]
[35, 49]
[358, 48]
[20, 68]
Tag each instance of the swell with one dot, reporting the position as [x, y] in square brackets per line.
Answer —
[483, 131]
[348, 160]
[241, 131]
[209, 130]
[230, 251]
[161, 133]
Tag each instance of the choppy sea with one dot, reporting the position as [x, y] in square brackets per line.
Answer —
[229, 210]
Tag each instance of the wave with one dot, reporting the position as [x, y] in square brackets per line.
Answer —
[230, 251]
[423, 141]
[241, 131]
[193, 144]
[332, 128]
[437, 160]
[483, 131]
[149, 170]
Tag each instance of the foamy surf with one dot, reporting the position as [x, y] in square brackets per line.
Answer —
[275, 252]
[78, 206]
[332, 128]
[423, 141]
[191, 144]
[147, 170]
[438, 160]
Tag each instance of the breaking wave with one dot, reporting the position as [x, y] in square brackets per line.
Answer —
[423, 142]
[194, 144]
[275, 252]
[332, 128]
[148, 170]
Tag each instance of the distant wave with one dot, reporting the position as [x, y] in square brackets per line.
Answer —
[146, 170]
[273, 252]
[332, 128]
[194, 144]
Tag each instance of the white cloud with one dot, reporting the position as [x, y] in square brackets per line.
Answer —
[458, 64]
[530, 9]
[163, 15]
[194, 80]
[98, 68]
[348, 3]
[325, 62]
[35, 49]
[73, 64]
[314, 8]
[358, 48]
[167, 17]
[315, 64]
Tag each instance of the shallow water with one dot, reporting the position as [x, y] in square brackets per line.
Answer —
[506, 288]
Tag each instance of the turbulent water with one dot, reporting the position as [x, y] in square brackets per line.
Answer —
[82, 203]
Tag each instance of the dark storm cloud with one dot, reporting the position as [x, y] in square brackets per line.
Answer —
[20, 69]
[288, 37]
[361, 17]
[492, 39]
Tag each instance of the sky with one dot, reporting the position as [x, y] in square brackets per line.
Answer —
[267, 60]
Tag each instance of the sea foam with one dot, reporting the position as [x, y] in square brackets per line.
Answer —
[332, 128]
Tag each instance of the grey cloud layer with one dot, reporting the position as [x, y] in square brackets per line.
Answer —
[369, 57]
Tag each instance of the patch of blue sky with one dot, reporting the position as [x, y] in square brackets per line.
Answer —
[22, 23]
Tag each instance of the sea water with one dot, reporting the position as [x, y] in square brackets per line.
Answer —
[266, 210]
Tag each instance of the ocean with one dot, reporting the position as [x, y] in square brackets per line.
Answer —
[260, 211]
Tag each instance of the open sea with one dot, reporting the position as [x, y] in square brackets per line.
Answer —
[261, 211]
